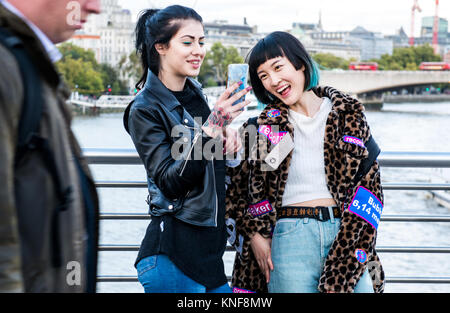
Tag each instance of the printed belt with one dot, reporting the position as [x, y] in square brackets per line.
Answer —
[311, 212]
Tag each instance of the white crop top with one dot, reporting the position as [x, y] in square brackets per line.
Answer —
[306, 180]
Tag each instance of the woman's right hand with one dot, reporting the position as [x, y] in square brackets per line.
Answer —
[224, 112]
[262, 250]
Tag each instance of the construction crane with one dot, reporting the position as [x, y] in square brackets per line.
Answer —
[414, 8]
[436, 29]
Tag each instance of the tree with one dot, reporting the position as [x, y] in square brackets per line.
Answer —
[407, 58]
[111, 78]
[82, 72]
[216, 63]
[130, 67]
[74, 52]
[330, 61]
[81, 76]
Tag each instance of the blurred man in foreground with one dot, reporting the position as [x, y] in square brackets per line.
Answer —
[48, 201]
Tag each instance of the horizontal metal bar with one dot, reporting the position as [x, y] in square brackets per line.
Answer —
[398, 249]
[415, 186]
[381, 249]
[121, 184]
[127, 216]
[415, 218]
[116, 279]
[418, 280]
[123, 248]
[112, 156]
[389, 280]
[386, 159]
[384, 218]
[414, 159]
[386, 186]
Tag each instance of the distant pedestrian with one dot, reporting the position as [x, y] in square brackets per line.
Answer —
[306, 210]
[183, 248]
[48, 201]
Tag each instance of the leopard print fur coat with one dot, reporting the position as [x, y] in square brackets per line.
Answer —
[250, 183]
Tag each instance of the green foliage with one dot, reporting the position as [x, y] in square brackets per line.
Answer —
[329, 61]
[402, 59]
[216, 62]
[81, 75]
[110, 78]
[407, 58]
[69, 50]
[82, 72]
[130, 67]
[211, 82]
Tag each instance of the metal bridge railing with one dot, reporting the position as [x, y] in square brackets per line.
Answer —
[386, 159]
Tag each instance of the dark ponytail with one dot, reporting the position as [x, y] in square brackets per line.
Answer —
[141, 43]
[154, 26]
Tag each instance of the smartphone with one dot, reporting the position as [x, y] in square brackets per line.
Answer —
[236, 73]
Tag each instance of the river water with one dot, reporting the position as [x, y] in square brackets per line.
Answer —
[398, 127]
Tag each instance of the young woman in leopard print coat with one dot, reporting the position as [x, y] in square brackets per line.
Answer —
[306, 253]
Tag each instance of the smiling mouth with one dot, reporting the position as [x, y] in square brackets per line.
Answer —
[284, 90]
[194, 62]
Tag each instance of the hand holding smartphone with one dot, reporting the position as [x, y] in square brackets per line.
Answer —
[224, 113]
[237, 73]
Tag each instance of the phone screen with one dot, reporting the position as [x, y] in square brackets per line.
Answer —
[236, 73]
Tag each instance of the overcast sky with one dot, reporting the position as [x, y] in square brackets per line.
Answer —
[385, 16]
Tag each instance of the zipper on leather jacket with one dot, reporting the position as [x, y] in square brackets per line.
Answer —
[194, 141]
[215, 192]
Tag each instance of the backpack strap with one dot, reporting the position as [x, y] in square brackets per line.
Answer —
[365, 165]
[28, 137]
[32, 103]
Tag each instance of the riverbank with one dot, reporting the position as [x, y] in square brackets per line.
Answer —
[376, 104]
[80, 111]
[416, 98]
[372, 104]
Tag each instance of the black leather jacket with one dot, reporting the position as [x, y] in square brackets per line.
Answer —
[181, 185]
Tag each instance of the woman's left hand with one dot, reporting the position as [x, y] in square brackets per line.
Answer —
[232, 141]
[263, 253]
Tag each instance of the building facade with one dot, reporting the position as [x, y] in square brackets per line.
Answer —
[109, 34]
[242, 37]
[400, 39]
[443, 35]
[427, 27]
[358, 44]
[370, 44]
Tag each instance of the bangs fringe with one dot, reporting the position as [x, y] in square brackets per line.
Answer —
[264, 50]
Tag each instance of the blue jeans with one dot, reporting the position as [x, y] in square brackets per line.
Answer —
[157, 274]
[299, 249]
